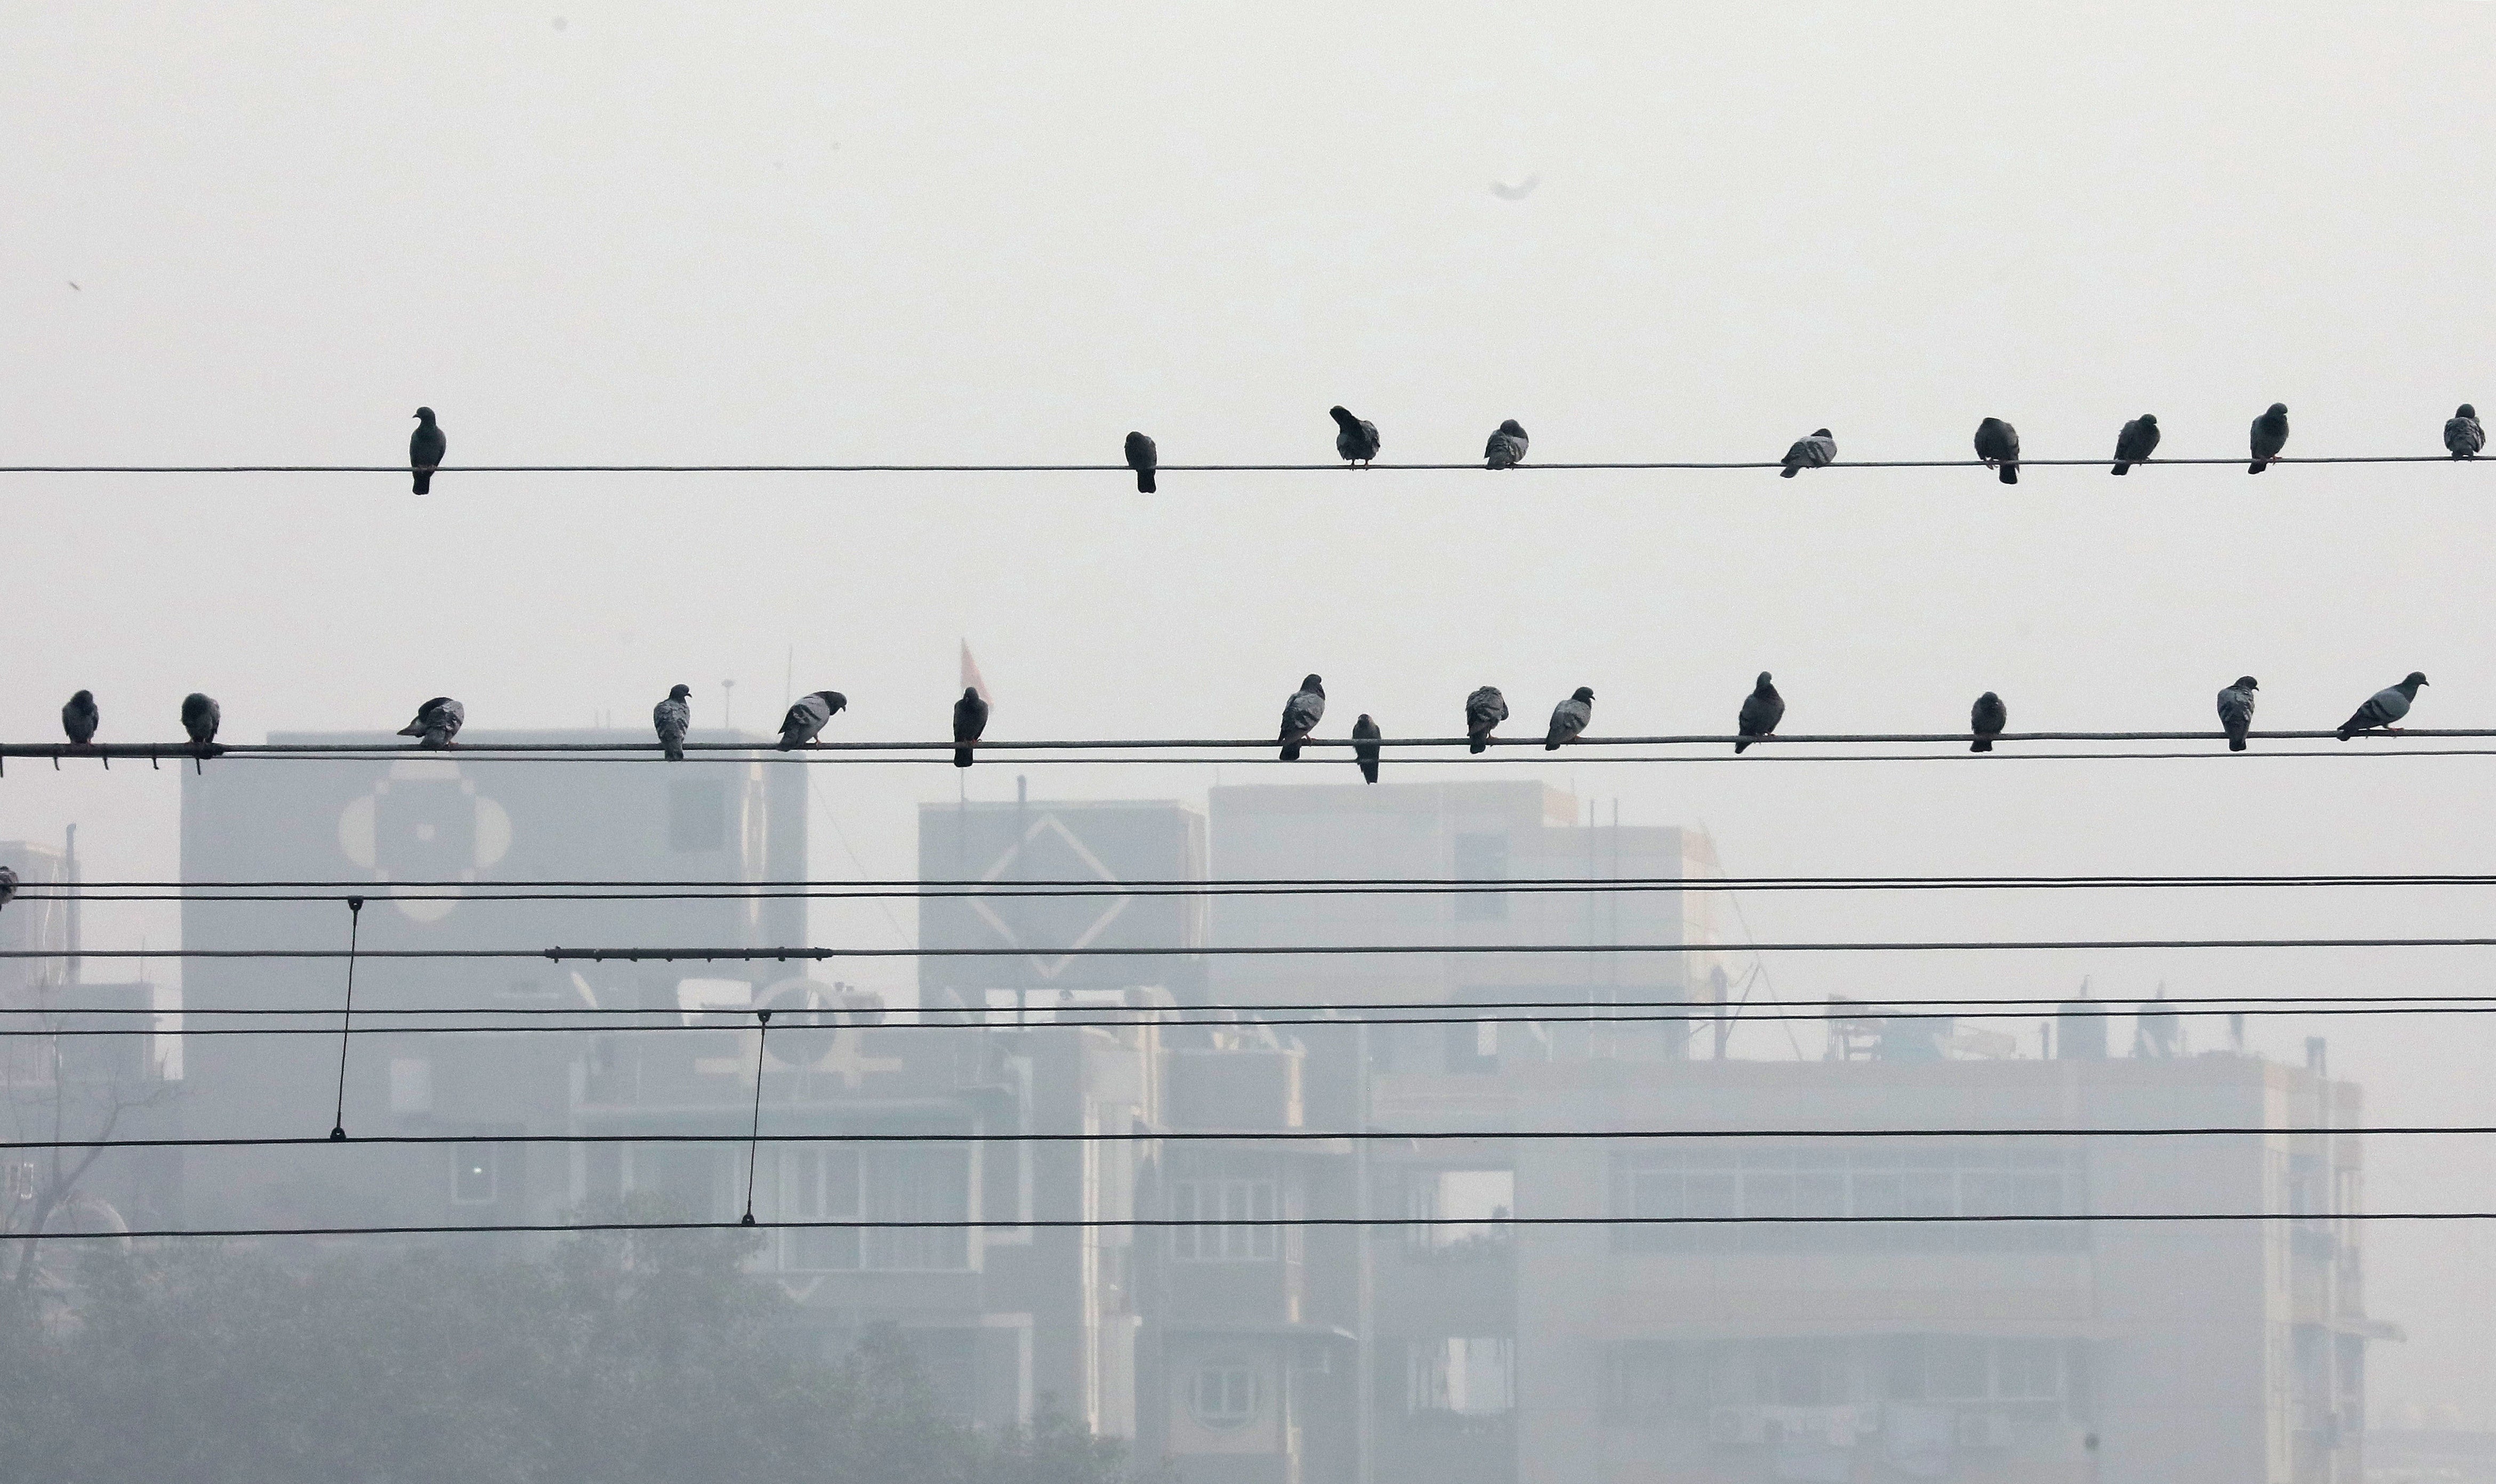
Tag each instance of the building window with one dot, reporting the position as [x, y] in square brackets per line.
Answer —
[1482, 859]
[1223, 1393]
[472, 1174]
[898, 1183]
[1213, 1202]
[1466, 1210]
[698, 816]
[1868, 1182]
[1465, 1375]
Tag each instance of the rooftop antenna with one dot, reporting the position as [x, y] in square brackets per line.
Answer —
[727, 708]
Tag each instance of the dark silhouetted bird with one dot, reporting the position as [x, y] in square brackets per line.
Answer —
[1484, 709]
[2463, 437]
[1506, 447]
[2236, 711]
[2269, 436]
[1570, 719]
[8, 884]
[1818, 452]
[671, 719]
[79, 718]
[2136, 443]
[2382, 708]
[970, 719]
[436, 723]
[425, 448]
[1762, 710]
[1355, 439]
[1997, 443]
[1144, 458]
[1365, 747]
[1300, 716]
[806, 718]
[1986, 719]
[201, 718]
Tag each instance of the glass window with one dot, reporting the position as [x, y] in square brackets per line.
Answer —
[819, 1185]
[1216, 1201]
[918, 1183]
[1468, 1375]
[472, 1173]
[2028, 1369]
[1223, 1393]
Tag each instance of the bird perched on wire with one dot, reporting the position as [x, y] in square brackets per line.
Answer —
[436, 723]
[1506, 447]
[1365, 747]
[807, 716]
[2463, 437]
[1986, 719]
[2236, 711]
[2382, 708]
[1762, 710]
[425, 448]
[1818, 452]
[79, 718]
[970, 719]
[1144, 458]
[1301, 715]
[1997, 444]
[2269, 436]
[8, 884]
[1355, 439]
[1570, 719]
[201, 718]
[2136, 443]
[671, 719]
[1484, 709]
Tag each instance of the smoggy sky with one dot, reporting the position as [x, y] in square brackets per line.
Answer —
[819, 233]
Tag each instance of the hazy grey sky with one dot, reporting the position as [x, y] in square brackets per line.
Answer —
[813, 233]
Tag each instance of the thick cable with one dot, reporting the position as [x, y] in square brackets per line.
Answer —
[1123, 470]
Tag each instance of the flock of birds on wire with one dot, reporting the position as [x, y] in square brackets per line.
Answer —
[1357, 443]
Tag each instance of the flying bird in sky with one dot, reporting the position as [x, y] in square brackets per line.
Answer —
[1762, 710]
[201, 718]
[425, 448]
[1144, 458]
[671, 719]
[1484, 709]
[806, 718]
[2463, 437]
[1818, 452]
[1986, 719]
[1301, 715]
[436, 723]
[1365, 747]
[2237, 710]
[1570, 719]
[1355, 439]
[2382, 708]
[970, 719]
[2136, 443]
[1997, 443]
[1506, 447]
[2269, 436]
[79, 718]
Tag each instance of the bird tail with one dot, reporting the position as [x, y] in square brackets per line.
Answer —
[1369, 769]
[2238, 744]
[2120, 469]
[961, 757]
[1291, 751]
[2258, 466]
[425, 481]
[1740, 745]
[1144, 482]
[2345, 733]
[1981, 745]
[1551, 744]
[675, 751]
[1789, 471]
[1478, 745]
[2009, 473]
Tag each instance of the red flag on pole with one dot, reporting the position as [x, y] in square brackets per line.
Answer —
[971, 678]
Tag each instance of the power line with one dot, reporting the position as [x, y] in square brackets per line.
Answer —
[1519, 760]
[1123, 471]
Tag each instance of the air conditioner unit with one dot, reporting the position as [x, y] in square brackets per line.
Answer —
[1736, 1426]
[1984, 1430]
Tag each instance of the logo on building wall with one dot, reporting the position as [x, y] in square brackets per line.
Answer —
[425, 822]
[1049, 852]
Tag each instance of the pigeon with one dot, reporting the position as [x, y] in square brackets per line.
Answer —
[8, 884]
[425, 448]
[1986, 719]
[670, 717]
[2270, 435]
[2136, 443]
[970, 718]
[1144, 458]
[807, 718]
[1569, 718]
[2463, 437]
[1818, 452]
[436, 723]
[1484, 709]
[1997, 443]
[1506, 447]
[200, 717]
[2237, 710]
[1365, 748]
[1355, 439]
[2382, 708]
[1300, 716]
[1762, 710]
[79, 718]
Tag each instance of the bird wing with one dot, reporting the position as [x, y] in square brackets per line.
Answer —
[1761, 712]
[2236, 708]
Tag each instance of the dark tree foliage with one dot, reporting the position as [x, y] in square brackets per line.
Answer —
[647, 1358]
